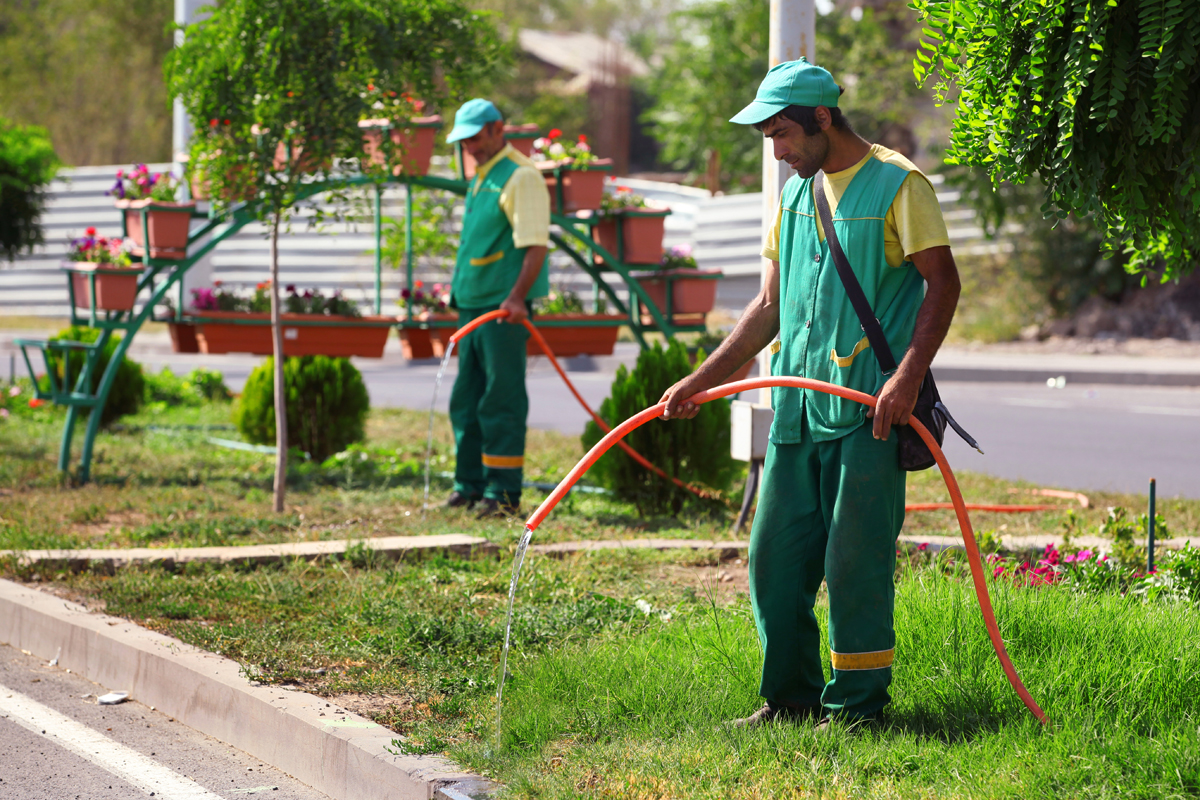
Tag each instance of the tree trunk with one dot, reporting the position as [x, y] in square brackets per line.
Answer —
[281, 442]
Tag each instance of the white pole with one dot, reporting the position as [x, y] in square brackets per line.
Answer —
[181, 133]
[793, 34]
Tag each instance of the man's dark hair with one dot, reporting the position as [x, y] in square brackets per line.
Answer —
[806, 118]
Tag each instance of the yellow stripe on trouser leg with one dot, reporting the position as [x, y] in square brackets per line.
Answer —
[503, 462]
[879, 659]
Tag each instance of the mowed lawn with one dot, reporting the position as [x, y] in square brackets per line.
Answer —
[624, 664]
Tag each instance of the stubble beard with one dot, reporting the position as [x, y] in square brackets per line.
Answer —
[809, 160]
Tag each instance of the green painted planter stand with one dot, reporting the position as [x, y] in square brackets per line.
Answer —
[160, 276]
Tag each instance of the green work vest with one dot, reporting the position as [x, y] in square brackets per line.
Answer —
[488, 265]
[819, 334]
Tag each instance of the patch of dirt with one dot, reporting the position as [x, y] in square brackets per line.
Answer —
[392, 711]
[724, 580]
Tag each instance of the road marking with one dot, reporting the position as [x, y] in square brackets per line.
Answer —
[124, 762]
[1033, 403]
[1171, 410]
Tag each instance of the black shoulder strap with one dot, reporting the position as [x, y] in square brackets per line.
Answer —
[866, 316]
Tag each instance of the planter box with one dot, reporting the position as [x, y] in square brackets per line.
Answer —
[693, 292]
[183, 337]
[428, 342]
[168, 223]
[116, 287]
[582, 189]
[633, 235]
[519, 136]
[414, 139]
[347, 338]
[565, 341]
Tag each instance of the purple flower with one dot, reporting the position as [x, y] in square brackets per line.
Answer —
[290, 288]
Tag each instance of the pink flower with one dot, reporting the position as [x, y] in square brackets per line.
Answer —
[14, 391]
[998, 571]
[922, 547]
[4, 413]
[1083, 555]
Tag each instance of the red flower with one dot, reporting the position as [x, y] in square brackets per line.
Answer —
[420, 284]
[289, 94]
[36, 403]
[370, 87]
[212, 123]
[554, 133]
[226, 122]
[90, 231]
[582, 139]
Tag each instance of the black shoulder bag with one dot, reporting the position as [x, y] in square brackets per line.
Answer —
[930, 410]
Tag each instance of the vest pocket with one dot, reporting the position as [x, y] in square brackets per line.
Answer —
[483, 262]
[845, 361]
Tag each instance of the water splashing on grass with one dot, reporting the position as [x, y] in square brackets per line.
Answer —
[518, 560]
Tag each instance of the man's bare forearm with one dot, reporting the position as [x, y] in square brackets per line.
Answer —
[535, 258]
[933, 319]
[755, 330]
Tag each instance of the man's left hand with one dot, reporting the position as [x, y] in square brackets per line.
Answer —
[517, 312]
[897, 399]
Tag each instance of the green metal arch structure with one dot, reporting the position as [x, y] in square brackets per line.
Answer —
[161, 276]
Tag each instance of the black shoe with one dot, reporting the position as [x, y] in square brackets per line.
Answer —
[490, 508]
[772, 713]
[459, 500]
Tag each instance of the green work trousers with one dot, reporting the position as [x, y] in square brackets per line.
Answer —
[488, 409]
[828, 510]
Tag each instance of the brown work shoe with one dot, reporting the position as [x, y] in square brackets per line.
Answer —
[459, 500]
[771, 713]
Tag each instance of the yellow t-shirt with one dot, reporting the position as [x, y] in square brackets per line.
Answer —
[524, 200]
[913, 222]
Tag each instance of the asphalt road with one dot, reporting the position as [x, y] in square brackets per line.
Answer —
[57, 743]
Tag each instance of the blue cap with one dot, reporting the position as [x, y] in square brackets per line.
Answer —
[792, 83]
[471, 118]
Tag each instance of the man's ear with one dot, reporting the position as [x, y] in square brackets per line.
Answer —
[824, 118]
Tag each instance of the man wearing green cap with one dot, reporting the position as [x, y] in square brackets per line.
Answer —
[500, 264]
[832, 498]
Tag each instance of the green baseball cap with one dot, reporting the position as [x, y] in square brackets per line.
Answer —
[792, 83]
[471, 118]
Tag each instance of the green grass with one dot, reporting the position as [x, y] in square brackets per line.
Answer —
[153, 488]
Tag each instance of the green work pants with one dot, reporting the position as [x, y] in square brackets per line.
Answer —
[488, 409]
[828, 510]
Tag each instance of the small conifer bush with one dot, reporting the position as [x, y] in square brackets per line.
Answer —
[327, 404]
[695, 451]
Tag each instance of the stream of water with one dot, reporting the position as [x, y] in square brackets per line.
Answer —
[437, 384]
[518, 560]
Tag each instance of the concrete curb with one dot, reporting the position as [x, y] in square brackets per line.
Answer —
[344, 755]
[394, 547]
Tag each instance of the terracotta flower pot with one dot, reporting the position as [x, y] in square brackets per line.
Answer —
[414, 139]
[301, 163]
[116, 287]
[582, 189]
[578, 340]
[641, 235]
[183, 337]
[693, 292]
[349, 337]
[428, 342]
[519, 136]
[169, 224]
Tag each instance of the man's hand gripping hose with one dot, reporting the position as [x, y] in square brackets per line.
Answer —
[960, 507]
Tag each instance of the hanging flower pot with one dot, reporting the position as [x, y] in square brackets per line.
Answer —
[633, 235]
[413, 140]
[576, 188]
[596, 335]
[169, 223]
[693, 293]
[116, 287]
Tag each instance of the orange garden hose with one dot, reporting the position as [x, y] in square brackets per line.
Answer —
[537, 337]
[960, 506]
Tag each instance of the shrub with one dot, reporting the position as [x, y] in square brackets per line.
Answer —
[198, 386]
[27, 165]
[695, 451]
[129, 386]
[327, 405]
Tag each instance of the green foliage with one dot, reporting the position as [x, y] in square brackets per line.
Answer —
[199, 386]
[718, 56]
[1100, 99]
[435, 232]
[260, 75]
[1063, 259]
[27, 165]
[695, 451]
[89, 71]
[129, 385]
[327, 404]
[559, 301]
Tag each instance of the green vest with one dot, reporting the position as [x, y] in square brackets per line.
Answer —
[819, 334]
[488, 265]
